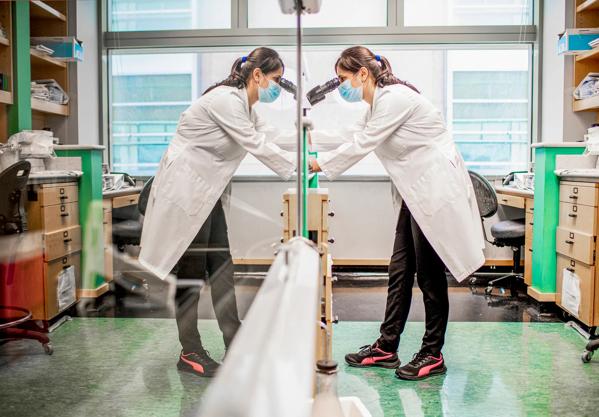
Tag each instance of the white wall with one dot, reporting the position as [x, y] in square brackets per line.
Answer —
[88, 74]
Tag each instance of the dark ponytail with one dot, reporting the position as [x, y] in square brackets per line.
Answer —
[268, 60]
[356, 57]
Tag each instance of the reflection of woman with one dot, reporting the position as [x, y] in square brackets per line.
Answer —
[438, 224]
[213, 136]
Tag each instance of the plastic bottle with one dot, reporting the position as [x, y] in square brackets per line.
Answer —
[326, 402]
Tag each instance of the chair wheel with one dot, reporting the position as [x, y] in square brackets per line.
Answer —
[473, 281]
[586, 356]
[488, 290]
[48, 348]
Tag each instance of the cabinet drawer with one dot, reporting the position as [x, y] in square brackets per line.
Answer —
[528, 265]
[530, 205]
[576, 245]
[108, 264]
[59, 216]
[510, 200]
[578, 218]
[62, 242]
[107, 216]
[124, 201]
[578, 193]
[52, 272]
[529, 222]
[50, 194]
[586, 276]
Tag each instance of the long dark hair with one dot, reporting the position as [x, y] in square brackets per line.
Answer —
[356, 57]
[268, 60]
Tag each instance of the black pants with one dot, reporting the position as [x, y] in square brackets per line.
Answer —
[209, 253]
[412, 253]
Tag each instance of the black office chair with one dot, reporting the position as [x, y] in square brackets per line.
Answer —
[128, 221]
[14, 182]
[505, 233]
[128, 232]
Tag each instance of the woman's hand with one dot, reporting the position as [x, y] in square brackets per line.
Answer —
[313, 165]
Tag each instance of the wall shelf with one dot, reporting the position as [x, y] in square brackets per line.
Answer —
[4, 41]
[592, 54]
[49, 108]
[588, 5]
[41, 10]
[5, 97]
[41, 59]
[587, 104]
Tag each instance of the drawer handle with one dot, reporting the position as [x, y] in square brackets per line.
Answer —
[532, 224]
[64, 214]
[572, 215]
[64, 197]
[67, 266]
[67, 241]
[505, 200]
[570, 242]
[570, 269]
[573, 197]
[530, 250]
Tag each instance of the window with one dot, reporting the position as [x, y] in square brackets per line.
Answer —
[483, 93]
[489, 108]
[333, 13]
[143, 15]
[467, 12]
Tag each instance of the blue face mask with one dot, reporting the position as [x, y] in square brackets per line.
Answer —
[270, 93]
[349, 93]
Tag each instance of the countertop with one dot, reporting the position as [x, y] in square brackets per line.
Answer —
[121, 192]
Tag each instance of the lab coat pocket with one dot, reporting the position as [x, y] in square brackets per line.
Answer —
[184, 188]
[436, 187]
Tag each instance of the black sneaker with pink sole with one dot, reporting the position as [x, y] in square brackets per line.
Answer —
[372, 356]
[422, 365]
[199, 363]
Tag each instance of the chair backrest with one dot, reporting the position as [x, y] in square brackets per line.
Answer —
[485, 195]
[14, 181]
[144, 196]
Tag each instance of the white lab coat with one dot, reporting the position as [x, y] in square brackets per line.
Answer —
[409, 137]
[213, 136]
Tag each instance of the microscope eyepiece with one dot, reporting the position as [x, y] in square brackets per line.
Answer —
[289, 87]
[318, 93]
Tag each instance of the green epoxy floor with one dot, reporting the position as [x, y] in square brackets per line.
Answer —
[126, 367]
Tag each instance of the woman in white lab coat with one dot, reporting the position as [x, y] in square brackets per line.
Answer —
[184, 231]
[439, 224]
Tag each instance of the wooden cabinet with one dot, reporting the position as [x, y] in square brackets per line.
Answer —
[576, 245]
[108, 261]
[53, 210]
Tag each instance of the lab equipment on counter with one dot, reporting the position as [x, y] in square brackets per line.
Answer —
[34, 143]
[318, 93]
[116, 181]
[9, 155]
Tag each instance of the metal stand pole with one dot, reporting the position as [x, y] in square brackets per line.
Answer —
[300, 129]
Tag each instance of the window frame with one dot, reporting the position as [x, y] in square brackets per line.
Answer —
[394, 33]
